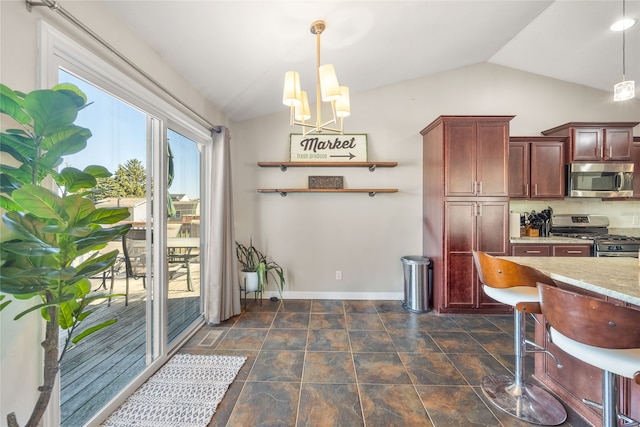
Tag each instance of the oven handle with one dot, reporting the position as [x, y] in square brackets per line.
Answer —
[617, 254]
[619, 181]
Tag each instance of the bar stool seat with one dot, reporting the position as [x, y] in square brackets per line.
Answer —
[600, 333]
[516, 285]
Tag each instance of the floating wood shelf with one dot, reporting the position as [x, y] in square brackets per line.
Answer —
[283, 191]
[371, 165]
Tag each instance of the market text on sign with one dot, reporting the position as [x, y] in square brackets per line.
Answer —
[315, 144]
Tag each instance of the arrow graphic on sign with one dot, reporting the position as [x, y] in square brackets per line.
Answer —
[350, 156]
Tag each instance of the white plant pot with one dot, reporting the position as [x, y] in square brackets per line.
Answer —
[249, 281]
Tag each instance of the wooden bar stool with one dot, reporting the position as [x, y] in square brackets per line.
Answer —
[599, 333]
[515, 285]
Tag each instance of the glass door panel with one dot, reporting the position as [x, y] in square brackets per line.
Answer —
[100, 366]
[183, 233]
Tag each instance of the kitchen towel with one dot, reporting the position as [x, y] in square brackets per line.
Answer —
[514, 224]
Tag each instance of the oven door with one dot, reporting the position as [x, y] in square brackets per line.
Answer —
[617, 254]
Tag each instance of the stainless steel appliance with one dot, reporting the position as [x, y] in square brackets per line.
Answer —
[595, 228]
[600, 180]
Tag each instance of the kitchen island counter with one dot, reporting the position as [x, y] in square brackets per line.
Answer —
[616, 277]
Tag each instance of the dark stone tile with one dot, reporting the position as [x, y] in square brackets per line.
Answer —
[328, 340]
[260, 305]
[475, 323]
[456, 406]
[389, 307]
[255, 320]
[291, 320]
[503, 322]
[427, 322]
[413, 340]
[457, 342]
[352, 306]
[328, 367]
[285, 339]
[431, 369]
[266, 404]
[393, 405]
[327, 306]
[329, 405]
[474, 367]
[283, 365]
[495, 342]
[243, 339]
[380, 368]
[371, 341]
[364, 322]
[296, 306]
[327, 321]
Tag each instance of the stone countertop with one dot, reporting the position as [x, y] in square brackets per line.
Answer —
[617, 277]
[551, 240]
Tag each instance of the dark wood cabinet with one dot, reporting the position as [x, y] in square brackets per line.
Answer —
[536, 167]
[635, 158]
[596, 142]
[476, 158]
[465, 206]
[472, 225]
[557, 250]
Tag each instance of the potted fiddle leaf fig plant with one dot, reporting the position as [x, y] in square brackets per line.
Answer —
[52, 232]
[256, 269]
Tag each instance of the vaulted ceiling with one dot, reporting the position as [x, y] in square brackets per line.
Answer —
[236, 52]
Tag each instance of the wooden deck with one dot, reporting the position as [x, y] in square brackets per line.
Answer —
[105, 362]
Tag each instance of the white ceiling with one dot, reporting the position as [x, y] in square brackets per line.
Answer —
[236, 52]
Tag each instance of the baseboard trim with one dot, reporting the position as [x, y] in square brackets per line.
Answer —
[392, 296]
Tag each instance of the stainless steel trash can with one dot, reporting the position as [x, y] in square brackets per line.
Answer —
[417, 283]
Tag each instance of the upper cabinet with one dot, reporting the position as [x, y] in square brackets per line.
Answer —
[536, 167]
[596, 142]
[475, 155]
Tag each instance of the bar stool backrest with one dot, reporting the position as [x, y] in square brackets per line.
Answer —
[501, 273]
[589, 320]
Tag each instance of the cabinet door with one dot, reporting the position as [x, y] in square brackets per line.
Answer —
[460, 238]
[571, 250]
[492, 163]
[492, 237]
[547, 169]
[617, 143]
[460, 158]
[519, 170]
[530, 250]
[586, 144]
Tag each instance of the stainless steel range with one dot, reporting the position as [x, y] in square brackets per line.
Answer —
[595, 228]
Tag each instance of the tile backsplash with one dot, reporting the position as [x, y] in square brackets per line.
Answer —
[622, 214]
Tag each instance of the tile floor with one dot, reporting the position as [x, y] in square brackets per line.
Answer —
[360, 363]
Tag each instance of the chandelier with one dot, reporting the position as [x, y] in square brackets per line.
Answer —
[626, 88]
[327, 90]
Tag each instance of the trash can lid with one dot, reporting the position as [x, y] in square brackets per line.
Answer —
[415, 259]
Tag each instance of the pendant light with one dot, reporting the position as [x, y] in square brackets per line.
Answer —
[626, 88]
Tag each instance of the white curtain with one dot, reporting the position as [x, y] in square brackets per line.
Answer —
[221, 290]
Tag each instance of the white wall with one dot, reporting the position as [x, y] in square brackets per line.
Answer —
[313, 235]
[20, 352]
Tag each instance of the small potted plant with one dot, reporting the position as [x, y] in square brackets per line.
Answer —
[255, 269]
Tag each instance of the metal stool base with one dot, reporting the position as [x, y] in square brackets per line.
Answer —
[529, 403]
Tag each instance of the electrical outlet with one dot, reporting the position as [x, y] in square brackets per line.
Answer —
[338, 275]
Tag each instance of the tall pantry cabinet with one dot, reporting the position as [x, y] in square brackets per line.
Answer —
[465, 206]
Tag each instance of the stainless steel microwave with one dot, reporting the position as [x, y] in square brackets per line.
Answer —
[600, 180]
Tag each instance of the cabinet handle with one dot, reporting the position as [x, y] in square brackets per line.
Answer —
[610, 151]
[479, 209]
[480, 186]
[473, 187]
[531, 252]
[535, 189]
[574, 252]
[526, 189]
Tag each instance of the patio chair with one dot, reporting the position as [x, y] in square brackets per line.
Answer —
[134, 249]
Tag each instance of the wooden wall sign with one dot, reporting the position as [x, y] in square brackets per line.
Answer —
[328, 148]
[326, 182]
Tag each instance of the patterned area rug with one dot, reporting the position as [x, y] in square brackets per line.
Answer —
[185, 392]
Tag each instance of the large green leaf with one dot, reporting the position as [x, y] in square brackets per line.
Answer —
[17, 147]
[92, 330]
[96, 265]
[77, 209]
[26, 227]
[7, 204]
[108, 215]
[11, 105]
[55, 302]
[50, 110]
[76, 180]
[67, 140]
[16, 176]
[25, 286]
[73, 92]
[101, 237]
[97, 171]
[39, 201]
[29, 248]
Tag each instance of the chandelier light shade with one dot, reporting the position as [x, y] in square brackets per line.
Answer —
[327, 90]
[626, 89]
